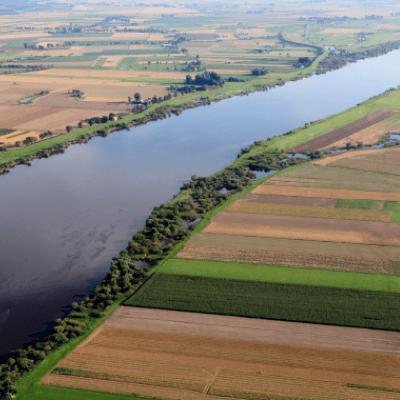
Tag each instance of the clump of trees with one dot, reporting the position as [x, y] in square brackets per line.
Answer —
[46, 134]
[76, 93]
[207, 78]
[259, 71]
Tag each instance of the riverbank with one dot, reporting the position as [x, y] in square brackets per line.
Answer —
[166, 231]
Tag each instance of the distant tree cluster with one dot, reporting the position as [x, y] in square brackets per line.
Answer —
[208, 78]
[259, 71]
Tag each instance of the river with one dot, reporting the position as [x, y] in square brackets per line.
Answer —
[65, 217]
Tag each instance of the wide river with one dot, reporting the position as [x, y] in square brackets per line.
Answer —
[64, 218]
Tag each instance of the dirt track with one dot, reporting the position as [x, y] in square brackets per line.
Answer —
[343, 132]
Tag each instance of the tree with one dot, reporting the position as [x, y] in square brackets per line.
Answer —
[68, 128]
[80, 124]
[29, 140]
[129, 100]
[104, 119]
[111, 117]
[138, 96]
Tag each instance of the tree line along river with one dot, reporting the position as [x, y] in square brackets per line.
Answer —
[65, 217]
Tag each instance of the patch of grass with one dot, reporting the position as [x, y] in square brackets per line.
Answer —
[358, 204]
[285, 302]
[78, 35]
[269, 273]
[41, 392]
[393, 206]
[69, 58]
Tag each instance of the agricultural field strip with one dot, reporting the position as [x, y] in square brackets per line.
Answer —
[291, 259]
[288, 200]
[344, 131]
[347, 154]
[282, 332]
[282, 232]
[269, 300]
[268, 188]
[306, 211]
[279, 274]
[372, 227]
[346, 250]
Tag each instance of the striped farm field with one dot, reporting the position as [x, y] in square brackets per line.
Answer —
[346, 250]
[277, 274]
[291, 259]
[267, 188]
[314, 212]
[327, 177]
[288, 200]
[269, 300]
[138, 352]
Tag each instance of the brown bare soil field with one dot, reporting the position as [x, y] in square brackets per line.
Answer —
[314, 212]
[385, 161]
[346, 154]
[288, 200]
[367, 227]
[283, 232]
[63, 100]
[294, 260]
[23, 35]
[327, 177]
[337, 134]
[230, 357]
[329, 193]
[108, 74]
[122, 89]
[288, 246]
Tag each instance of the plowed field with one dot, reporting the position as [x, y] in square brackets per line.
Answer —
[282, 232]
[221, 363]
[346, 154]
[343, 132]
[386, 161]
[328, 177]
[315, 212]
[288, 200]
[296, 260]
[329, 193]
[347, 251]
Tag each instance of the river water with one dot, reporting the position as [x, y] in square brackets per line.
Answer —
[64, 218]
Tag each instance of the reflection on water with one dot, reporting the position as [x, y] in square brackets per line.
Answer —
[65, 217]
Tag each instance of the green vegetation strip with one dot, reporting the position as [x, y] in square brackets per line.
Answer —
[269, 273]
[358, 204]
[287, 302]
[384, 389]
[6, 131]
[393, 206]
[40, 392]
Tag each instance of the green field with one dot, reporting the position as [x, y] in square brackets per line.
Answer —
[395, 207]
[287, 302]
[4, 131]
[358, 204]
[269, 273]
[39, 392]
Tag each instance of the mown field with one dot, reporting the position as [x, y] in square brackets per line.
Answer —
[255, 299]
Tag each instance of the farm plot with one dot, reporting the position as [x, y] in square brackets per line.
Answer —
[288, 200]
[277, 274]
[212, 351]
[309, 211]
[289, 302]
[337, 134]
[285, 258]
[327, 177]
[385, 161]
